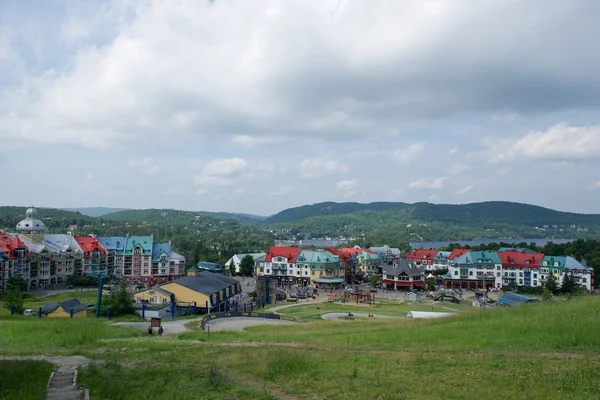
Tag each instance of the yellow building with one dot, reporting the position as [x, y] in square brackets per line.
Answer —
[216, 289]
[63, 310]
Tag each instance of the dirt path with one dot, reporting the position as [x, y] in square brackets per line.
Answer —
[338, 316]
[62, 384]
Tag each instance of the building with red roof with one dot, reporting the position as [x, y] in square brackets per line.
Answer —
[14, 258]
[422, 256]
[520, 268]
[94, 254]
[280, 262]
[454, 254]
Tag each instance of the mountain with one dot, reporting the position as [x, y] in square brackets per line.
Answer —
[330, 208]
[57, 221]
[94, 211]
[426, 221]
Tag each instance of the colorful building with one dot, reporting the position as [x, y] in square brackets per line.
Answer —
[65, 309]
[320, 267]
[236, 260]
[14, 259]
[475, 270]
[403, 275]
[422, 257]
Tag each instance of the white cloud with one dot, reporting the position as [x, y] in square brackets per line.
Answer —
[318, 166]
[457, 169]
[594, 186]
[256, 141]
[428, 184]
[408, 155]
[560, 142]
[145, 165]
[464, 190]
[283, 190]
[225, 167]
[174, 191]
[203, 180]
[347, 186]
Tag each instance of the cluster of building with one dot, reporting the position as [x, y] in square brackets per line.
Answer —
[46, 260]
[465, 268]
[497, 269]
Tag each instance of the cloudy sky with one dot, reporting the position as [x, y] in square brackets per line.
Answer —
[232, 105]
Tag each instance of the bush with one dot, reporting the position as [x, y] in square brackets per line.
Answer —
[120, 302]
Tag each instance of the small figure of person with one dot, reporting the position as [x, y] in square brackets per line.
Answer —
[150, 330]
[160, 330]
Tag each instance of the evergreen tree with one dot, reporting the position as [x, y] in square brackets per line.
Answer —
[14, 298]
[120, 302]
[247, 266]
[568, 284]
[551, 284]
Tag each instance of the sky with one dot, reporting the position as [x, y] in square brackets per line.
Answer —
[254, 107]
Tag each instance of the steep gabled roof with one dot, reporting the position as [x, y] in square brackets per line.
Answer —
[205, 282]
[89, 244]
[402, 266]
[145, 242]
[116, 243]
[66, 305]
[291, 253]
[62, 242]
[319, 257]
[457, 253]
[521, 258]
[422, 254]
[159, 248]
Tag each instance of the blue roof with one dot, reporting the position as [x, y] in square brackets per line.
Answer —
[572, 263]
[515, 299]
[159, 248]
[209, 266]
[116, 243]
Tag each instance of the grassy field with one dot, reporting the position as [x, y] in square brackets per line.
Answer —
[541, 351]
[85, 297]
[24, 380]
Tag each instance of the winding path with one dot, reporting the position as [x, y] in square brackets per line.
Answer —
[337, 316]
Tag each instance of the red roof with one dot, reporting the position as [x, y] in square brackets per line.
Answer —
[291, 253]
[369, 251]
[457, 253]
[351, 250]
[422, 254]
[8, 244]
[344, 256]
[520, 258]
[89, 244]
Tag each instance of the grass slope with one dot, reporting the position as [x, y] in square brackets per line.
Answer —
[24, 379]
[542, 351]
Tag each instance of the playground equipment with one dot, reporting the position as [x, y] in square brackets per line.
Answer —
[364, 298]
[301, 293]
[443, 296]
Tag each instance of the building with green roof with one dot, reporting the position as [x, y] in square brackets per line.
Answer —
[326, 268]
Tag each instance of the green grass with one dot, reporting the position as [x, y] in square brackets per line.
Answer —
[85, 297]
[540, 351]
[24, 380]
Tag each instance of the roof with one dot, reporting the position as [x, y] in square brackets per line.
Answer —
[352, 250]
[31, 222]
[572, 263]
[442, 255]
[402, 266]
[205, 282]
[66, 305]
[422, 254]
[291, 253]
[516, 249]
[89, 244]
[63, 242]
[209, 266]
[116, 243]
[175, 256]
[8, 243]
[427, 314]
[318, 257]
[159, 248]
[457, 253]
[521, 258]
[473, 257]
[515, 299]
[329, 280]
[253, 255]
[145, 242]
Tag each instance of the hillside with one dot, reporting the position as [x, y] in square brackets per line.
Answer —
[94, 211]
[57, 221]
[426, 221]
[330, 208]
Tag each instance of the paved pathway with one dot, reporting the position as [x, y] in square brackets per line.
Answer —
[170, 327]
[63, 381]
[337, 316]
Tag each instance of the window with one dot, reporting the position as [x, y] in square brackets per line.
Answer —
[545, 263]
[268, 271]
[520, 281]
[470, 273]
[520, 274]
[455, 273]
[535, 283]
[556, 263]
[498, 274]
[534, 276]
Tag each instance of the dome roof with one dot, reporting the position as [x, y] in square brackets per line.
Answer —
[31, 222]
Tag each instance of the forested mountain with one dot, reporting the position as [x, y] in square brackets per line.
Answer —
[94, 211]
[330, 208]
[56, 221]
[426, 221]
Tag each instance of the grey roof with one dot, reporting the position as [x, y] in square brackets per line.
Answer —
[159, 248]
[209, 266]
[402, 265]
[66, 305]
[206, 282]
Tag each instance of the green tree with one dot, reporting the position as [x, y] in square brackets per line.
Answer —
[430, 283]
[247, 266]
[374, 280]
[17, 283]
[569, 286]
[119, 303]
[14, 298]
[551, 285]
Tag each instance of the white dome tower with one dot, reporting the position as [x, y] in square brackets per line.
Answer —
[31, 225]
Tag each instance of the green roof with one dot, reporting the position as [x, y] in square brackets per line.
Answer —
[329, 280]
[145, 242]
[317, 257]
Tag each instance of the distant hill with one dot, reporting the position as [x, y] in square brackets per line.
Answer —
[55, 220]
[94, 211]
[426, 221]
[330, 208]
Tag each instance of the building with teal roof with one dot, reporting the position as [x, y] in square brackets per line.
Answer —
[325, 268]
[475, 270]
[559, 266]
[369, 263]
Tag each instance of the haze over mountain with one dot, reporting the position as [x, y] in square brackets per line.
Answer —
[94, 211]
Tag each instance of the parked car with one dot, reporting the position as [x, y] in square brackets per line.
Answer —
[29, 312]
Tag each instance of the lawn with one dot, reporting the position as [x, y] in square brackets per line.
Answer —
[539, 351]
[24, 380]
[85, 297]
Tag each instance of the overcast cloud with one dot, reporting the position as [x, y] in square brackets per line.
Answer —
[231, 105]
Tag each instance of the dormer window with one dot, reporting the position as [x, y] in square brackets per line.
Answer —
[556, 263]
[545, 263]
